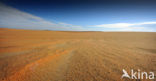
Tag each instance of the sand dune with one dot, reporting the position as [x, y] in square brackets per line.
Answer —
[29, 55]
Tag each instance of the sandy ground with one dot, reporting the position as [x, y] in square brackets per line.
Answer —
[29, 55]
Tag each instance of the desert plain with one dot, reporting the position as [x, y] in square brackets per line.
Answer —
[42, 55]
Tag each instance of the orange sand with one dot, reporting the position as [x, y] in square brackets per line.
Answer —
[29, 55]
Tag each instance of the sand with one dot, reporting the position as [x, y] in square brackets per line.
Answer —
[37, 55]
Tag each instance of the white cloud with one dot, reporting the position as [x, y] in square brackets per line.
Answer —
[116, 25]
[146, 23]
[14, 18]
[128, 26]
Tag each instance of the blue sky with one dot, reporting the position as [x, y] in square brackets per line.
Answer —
[79, 15]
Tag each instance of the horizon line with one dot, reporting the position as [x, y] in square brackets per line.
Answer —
[75, 31]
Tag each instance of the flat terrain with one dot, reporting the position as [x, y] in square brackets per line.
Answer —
[29, 55]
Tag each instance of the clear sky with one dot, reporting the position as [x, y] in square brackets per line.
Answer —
[79, 15]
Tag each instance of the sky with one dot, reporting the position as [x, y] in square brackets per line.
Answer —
[79, 15]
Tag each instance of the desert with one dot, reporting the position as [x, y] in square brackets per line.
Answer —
[41, 55]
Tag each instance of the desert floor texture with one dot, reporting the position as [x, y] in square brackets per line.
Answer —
[35, 55]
